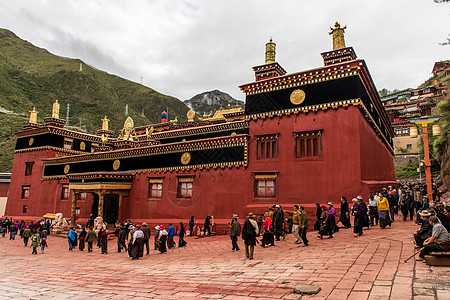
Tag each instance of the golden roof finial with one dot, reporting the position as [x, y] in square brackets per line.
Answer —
[55, 110]
[33, 116]
[270, 52]
[105, 123]
[338, 36]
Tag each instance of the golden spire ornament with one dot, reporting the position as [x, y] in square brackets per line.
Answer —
[105, 125]
[270, 52]
[33, 116]
[338, 36]
[55, 110]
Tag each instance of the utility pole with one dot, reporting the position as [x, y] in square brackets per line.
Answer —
[141, 79]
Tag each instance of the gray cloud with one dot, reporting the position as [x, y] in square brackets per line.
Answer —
[182, 48]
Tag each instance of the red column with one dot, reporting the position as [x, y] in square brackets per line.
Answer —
[426, 150]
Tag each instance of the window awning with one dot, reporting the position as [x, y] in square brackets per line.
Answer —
[265, 176]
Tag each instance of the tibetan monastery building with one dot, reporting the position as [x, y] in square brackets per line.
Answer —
[306, 137]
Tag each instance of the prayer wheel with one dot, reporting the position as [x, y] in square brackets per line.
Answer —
[413, 132]
[436, 130]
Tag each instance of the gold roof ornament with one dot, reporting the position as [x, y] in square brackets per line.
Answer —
[127, 128]
[33, 116]
[55, 110]
[105, 121]
[175, 120]
[148, 132]
[219, 115]
[190, 115]
[338, 36]
[270, 52]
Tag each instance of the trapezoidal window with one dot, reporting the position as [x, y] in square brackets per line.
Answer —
[155, 187]
[28, 168]
[265, 185]
[185, 186]
[25, 192]
[65, 192]
[267, 146]
[308, 144]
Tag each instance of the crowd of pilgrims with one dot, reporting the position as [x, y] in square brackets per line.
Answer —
[381, 209]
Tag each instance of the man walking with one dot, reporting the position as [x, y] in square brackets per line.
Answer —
[295, 223]
[26, 235]
[90, 238]
[207, 226]
[249, 231]
[121, 238]
[303, 224]
[278, 221]
[146, 231]
[170, 235]
[235, 231]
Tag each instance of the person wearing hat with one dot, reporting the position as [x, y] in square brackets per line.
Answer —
[425, 206]
[249, 233]
[235, 231]
[156, 237]
[439, 240]
[424, 231]
[278, 221]
[162, 247]
[130, 238]
[138, 243]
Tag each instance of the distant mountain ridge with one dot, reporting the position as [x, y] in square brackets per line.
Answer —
[33, 77]
[212, 101]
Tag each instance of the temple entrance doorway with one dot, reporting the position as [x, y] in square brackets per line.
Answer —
[111, 208]
[94, 210]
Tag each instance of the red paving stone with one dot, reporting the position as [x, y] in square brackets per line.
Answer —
[367, 267]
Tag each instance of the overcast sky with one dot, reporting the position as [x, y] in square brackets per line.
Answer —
[182, 48]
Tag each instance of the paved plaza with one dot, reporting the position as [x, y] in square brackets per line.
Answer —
[367, 267]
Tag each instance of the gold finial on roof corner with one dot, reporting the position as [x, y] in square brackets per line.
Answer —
[55, 110]
[270, 52]
[105, 123]
[338, 36]
[33, 116]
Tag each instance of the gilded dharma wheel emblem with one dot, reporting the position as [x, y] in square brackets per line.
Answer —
[116, 164]
[82, 146]
[297, 97]
[30, 141]
[185, 158]
[66, 169]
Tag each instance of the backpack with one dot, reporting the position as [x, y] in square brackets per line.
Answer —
[34, 238]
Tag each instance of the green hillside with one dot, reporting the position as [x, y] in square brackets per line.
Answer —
[31, 76]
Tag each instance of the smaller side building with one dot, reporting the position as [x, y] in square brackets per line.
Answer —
[5, 179]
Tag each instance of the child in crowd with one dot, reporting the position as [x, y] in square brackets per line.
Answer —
[43, 244]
